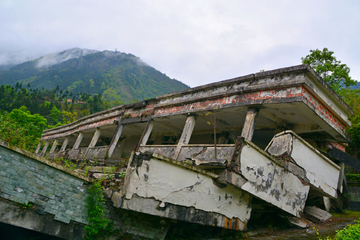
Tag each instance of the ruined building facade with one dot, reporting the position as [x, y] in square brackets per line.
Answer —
[214, 154]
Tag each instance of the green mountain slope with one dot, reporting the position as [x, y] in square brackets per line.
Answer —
[116, 75]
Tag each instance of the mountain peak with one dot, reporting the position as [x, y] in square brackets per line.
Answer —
[59, 57]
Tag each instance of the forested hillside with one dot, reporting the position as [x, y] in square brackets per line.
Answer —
[56, 106]
[26, 112]
[115, 75]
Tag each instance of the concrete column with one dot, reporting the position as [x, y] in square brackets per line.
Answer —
[45, 148]
[327, 203]
[38, 147]
[52, 150]
[341, 177]
[249, 125]
[115, 139]
[78, 141]
[95, 138]
[144, 135]
[147, 134]
[64, 145]
[186, 134]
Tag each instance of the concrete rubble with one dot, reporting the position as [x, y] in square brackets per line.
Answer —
[317, 215]
[268, 145]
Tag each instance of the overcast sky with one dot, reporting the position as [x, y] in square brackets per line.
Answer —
[196, 42]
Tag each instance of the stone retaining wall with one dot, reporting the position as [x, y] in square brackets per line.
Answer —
[25, 178]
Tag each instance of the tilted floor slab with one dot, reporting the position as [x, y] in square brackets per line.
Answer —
[162, 187]
[271, 182]
[322, 173]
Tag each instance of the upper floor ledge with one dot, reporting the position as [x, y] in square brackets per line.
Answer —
[257, 88]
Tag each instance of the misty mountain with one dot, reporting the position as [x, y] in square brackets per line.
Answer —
[116, 75]
[6, 66]
[357, 86]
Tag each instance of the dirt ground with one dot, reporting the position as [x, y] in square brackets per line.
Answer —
[337, 222]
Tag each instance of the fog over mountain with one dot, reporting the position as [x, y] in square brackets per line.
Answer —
[59, 57]
[8, 60]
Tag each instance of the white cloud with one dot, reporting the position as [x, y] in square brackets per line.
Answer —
[196, 42]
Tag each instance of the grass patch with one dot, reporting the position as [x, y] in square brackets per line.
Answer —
[346, 214]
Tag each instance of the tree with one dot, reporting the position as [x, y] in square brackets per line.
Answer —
[35, 123]
[330, 69]
[21, 129]
[352, 98]
[55, 114]
[68, 117]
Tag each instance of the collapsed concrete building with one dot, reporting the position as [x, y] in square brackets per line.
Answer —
[214, 154]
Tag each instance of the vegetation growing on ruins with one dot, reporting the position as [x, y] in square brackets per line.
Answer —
[99, 226]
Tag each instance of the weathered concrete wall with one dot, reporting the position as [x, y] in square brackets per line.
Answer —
[199, 151]
[354, 192]
[164, 150]
[206, 152]
[26, 178]
[96, 153]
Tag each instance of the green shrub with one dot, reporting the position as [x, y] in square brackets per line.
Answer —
[98, 226]
[355, 178]
[351, 232]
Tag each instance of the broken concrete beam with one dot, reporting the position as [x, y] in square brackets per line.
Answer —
[317, 215]
[298, 222]
[209, 163]
[322, 173]
[249, 125]
[233, 178]
[186, 135]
